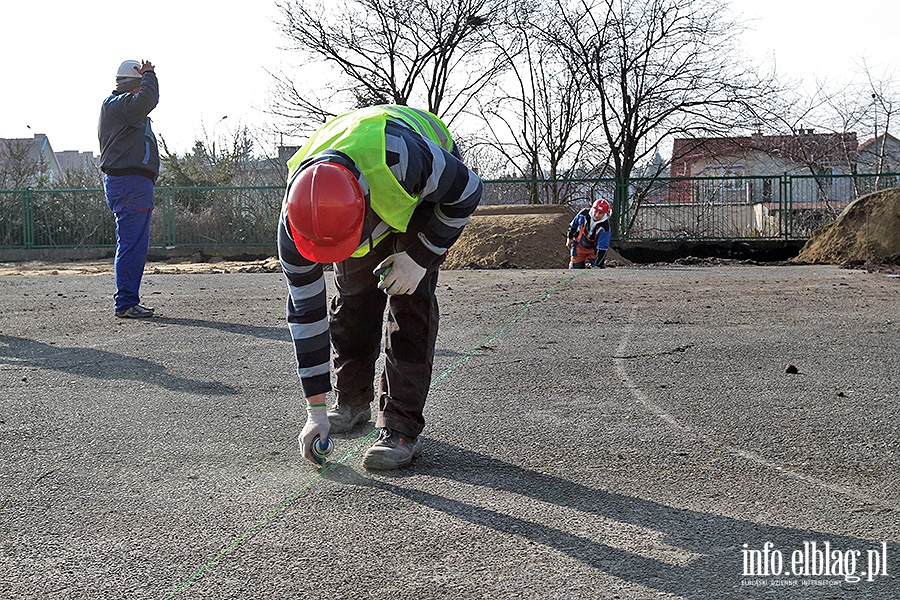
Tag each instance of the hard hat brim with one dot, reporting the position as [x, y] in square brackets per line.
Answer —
[328, 254]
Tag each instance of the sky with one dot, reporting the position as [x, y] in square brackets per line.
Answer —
[822, 40]
[58, 59]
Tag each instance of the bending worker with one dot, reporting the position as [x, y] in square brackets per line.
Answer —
[589, 235]
[380, 192]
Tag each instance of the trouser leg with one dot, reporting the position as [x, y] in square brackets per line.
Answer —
[356, 318]
[574, 261]
[130, 198]
[580, 256]
[357, 314]
[409, 358]
[132, 246]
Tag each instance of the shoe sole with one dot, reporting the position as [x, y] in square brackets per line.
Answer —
[379, 461]
[362, 417]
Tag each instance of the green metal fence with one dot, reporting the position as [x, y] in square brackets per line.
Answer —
[194, 216]
[787, 207]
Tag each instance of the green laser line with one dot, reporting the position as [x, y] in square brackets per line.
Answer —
[501, 329]
[331, 465]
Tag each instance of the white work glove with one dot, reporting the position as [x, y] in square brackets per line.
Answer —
[316, 425]
[401, 274]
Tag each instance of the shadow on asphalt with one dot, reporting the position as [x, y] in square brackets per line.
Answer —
[716, 541]
[100, 364]
[281, 334]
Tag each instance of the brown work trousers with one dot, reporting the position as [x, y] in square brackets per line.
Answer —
[357, 314]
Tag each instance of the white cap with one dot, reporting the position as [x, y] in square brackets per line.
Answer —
[126, 69]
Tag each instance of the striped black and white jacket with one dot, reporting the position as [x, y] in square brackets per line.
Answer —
[447, 193]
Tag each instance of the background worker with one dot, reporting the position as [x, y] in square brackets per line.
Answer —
[377, 189]
[129, 159]
[589, 235]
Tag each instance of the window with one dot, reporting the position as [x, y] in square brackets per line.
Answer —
[733, 176]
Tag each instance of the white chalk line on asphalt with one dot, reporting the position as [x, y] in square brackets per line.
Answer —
[748, 455]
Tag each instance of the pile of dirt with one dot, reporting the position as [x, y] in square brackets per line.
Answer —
[867, 231]
[517, 237]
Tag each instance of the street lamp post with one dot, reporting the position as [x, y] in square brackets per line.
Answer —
[219, 122]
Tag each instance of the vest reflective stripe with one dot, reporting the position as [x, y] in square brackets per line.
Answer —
[365, 247]
[379, 232]
[425, 124]
[360, 135]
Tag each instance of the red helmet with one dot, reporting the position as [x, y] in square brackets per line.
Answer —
[325, 211]
[601, 206]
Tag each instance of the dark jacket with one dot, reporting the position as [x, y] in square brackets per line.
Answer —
[127, 143]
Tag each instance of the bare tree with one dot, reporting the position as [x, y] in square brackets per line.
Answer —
[884, 94]
[659, 68]
[848, 110]
[434, 54]
[541, 118]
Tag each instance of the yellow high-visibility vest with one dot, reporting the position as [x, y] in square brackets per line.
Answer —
[360, 135]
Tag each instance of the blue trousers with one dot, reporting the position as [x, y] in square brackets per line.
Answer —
[130, 198]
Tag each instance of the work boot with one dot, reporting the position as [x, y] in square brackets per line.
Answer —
[135, 312]
[344, 418]
[392, 451]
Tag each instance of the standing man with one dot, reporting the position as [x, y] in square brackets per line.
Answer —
[589, 235]
[129, 159]
[380, 192]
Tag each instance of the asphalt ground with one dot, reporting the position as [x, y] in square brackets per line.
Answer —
[617, 433]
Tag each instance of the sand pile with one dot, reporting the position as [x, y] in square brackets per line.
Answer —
[517, 237]
[867, 231]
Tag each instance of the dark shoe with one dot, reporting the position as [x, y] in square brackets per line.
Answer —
[345, 418]
[392, 451]
[135, 312]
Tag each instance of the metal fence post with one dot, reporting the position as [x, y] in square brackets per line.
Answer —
[28, 218]
[787, 195]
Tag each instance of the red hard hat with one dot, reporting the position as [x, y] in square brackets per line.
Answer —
[325, 211]
[601, 205]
